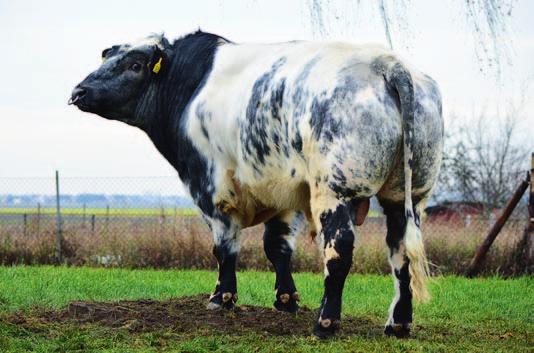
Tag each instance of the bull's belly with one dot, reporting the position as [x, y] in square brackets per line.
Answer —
[280, 188]
[348, 170]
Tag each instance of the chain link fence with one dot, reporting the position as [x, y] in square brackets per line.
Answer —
[149, 222]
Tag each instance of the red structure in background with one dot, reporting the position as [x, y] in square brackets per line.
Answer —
[454, 212]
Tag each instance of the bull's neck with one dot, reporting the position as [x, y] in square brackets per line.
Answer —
[189, 65]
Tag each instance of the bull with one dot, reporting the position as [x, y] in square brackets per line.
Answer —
[283, 133]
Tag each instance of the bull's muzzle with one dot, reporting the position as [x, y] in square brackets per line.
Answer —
[77, 95]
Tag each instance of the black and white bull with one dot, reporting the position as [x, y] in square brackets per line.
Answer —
[281, 132]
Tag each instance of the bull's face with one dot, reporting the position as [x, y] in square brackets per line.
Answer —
[118, 89]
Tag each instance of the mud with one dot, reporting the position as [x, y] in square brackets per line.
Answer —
[189, 315]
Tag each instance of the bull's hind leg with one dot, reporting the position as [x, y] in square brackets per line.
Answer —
[225, 250]
[279, 243]
[400, 310]
[333, 219]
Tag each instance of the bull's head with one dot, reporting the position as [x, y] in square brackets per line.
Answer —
[123, 84]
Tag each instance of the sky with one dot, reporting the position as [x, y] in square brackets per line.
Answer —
[50, 46]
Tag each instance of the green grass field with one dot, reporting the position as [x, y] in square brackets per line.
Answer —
[478, 315]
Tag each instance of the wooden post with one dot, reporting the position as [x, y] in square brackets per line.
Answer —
[480, 254]
[529, 230]
[59, 238]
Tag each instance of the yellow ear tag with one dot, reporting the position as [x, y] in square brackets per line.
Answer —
[157, 66]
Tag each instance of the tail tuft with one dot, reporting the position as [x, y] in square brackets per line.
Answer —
[418, 267]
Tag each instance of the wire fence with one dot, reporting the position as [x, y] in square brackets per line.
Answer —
[149, 222]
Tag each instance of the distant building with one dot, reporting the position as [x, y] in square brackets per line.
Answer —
[454, 212]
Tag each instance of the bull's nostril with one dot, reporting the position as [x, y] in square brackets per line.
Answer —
[77, 94]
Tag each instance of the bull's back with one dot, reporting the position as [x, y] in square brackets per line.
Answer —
[310, 99]
[296, 113]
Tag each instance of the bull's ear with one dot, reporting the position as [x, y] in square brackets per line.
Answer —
[108, 52]
[105, 52]
[157, 63]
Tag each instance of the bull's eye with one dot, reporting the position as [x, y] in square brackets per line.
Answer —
[136, 67]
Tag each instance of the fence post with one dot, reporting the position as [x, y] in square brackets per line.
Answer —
[480, 254]
[84, 215]
[174, 221]
[38, 232]
[93, 225]
[59, 240]
[528, 238]
[161, 220]
[107, 220]
[25, 222]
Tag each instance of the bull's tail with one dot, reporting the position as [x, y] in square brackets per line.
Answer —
[400, 78]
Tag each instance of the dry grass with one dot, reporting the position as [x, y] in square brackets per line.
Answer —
[185, 242]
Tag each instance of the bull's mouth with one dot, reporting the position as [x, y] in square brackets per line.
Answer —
[80, 103]
[79, 98]
[83, 107]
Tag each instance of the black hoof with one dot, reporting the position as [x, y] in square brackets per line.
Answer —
[287, 303]
[326, 329]
[399, 331]
[222, 301]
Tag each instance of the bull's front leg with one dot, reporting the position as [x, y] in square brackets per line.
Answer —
[279, 243]
[225, 250]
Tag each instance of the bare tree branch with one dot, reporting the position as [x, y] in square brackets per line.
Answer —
[482, 164]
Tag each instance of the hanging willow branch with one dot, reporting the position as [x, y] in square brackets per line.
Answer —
[489, 20]
[386, 20]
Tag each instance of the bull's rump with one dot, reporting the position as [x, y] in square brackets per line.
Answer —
[427, 148]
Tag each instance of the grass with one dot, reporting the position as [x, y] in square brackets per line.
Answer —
[477, 315]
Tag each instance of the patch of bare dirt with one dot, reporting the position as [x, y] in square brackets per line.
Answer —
[189, 315]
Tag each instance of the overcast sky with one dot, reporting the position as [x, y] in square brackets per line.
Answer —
[49, 46]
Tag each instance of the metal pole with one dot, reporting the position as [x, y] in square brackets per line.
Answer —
[25, 222]
[474, 267]
[38, 219]
[107, 220]
[83, 219]
[59, 240]
[93, 225]
[174, 221]
[161, 220]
